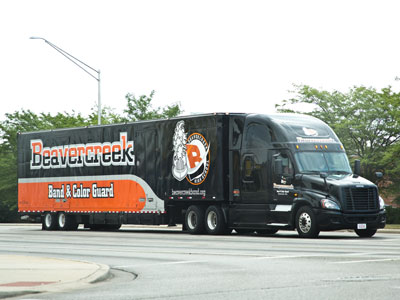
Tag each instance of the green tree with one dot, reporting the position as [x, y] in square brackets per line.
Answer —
[367, 122]
[140, 108]
[108, 116]
[23, 121]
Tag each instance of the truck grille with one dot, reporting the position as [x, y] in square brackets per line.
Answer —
[361, 199]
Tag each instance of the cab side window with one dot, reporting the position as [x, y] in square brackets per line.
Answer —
[257, 136]
[287, 165]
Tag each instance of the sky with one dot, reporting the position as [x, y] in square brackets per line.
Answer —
[211, 56]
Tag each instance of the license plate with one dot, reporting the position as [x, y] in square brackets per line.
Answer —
[361, 226]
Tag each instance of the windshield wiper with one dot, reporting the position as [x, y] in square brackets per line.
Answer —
[339, 172]
[311, 172]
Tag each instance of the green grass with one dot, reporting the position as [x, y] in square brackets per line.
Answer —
[392, 226]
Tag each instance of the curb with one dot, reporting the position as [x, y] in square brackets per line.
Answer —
[99, 273]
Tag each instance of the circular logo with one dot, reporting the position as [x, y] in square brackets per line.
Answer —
[198, 158]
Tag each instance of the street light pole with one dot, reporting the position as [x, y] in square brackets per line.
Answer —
[81, 65]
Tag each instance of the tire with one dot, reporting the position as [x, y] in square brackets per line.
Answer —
[365, 233]
[49, 221]
[267, 231]
[66, 221]
[306, 223]
[194, 219]
[215, 221]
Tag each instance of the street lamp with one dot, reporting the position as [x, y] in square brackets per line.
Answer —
[81, 65]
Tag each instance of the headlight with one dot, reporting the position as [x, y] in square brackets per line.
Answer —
[381, 203]
[329, 204]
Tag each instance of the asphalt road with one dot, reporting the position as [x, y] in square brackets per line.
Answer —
[164, 263]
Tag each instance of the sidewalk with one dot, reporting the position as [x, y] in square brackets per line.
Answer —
[20, 275]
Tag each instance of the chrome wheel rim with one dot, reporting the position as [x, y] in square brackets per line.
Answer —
[212, 220]
[61, 220]
[305, 222]
[192, 220]
[48, 220]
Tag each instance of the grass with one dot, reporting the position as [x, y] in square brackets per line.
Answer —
[392, 226]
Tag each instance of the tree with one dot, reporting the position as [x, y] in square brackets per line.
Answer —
[108, 116]
[141, 108]
[367, 122]
[23, 121]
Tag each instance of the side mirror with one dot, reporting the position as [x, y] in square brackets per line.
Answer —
[357, 167]
[278, 167]
[323, 175]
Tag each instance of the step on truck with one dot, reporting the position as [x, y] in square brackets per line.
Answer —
[213, 173]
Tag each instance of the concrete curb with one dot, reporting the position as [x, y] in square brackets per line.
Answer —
[22, 275]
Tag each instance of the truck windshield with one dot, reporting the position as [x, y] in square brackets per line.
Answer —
[331, 162]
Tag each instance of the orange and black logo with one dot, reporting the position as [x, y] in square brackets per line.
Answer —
[191, 156]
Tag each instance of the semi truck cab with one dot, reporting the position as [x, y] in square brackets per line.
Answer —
[295, 174]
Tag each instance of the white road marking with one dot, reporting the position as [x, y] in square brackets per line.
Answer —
[365, 261]
[160, 264]
[314, 255]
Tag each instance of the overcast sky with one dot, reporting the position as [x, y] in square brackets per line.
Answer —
[211, 56]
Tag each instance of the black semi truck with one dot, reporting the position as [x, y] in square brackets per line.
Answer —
[212, 173]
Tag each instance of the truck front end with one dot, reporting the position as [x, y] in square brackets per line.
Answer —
[326, 193]
[339, 198]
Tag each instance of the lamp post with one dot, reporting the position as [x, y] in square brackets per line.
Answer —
[81, 65]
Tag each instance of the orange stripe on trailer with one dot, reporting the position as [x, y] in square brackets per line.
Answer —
[99, 195]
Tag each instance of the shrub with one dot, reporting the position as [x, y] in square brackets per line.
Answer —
[393, 215]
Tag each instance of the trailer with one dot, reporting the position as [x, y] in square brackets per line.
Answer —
[212, 173]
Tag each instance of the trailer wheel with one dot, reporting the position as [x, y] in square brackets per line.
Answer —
[306, 223]
[67, 222]
[215, 221]
[194, 219]
[365, 233]
[49, 221]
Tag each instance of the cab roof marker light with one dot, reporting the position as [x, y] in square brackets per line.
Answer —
[326, 146]
[297, 147]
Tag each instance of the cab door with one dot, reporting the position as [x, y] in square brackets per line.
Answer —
[282, 188]
[251, 207]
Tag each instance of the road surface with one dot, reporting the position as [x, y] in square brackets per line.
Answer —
[165, 263]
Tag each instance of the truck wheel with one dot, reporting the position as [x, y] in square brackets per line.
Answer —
[66, 222]
[306, 223]
[215, 221]
[49, 221]
[194, 219]
[365, 233]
